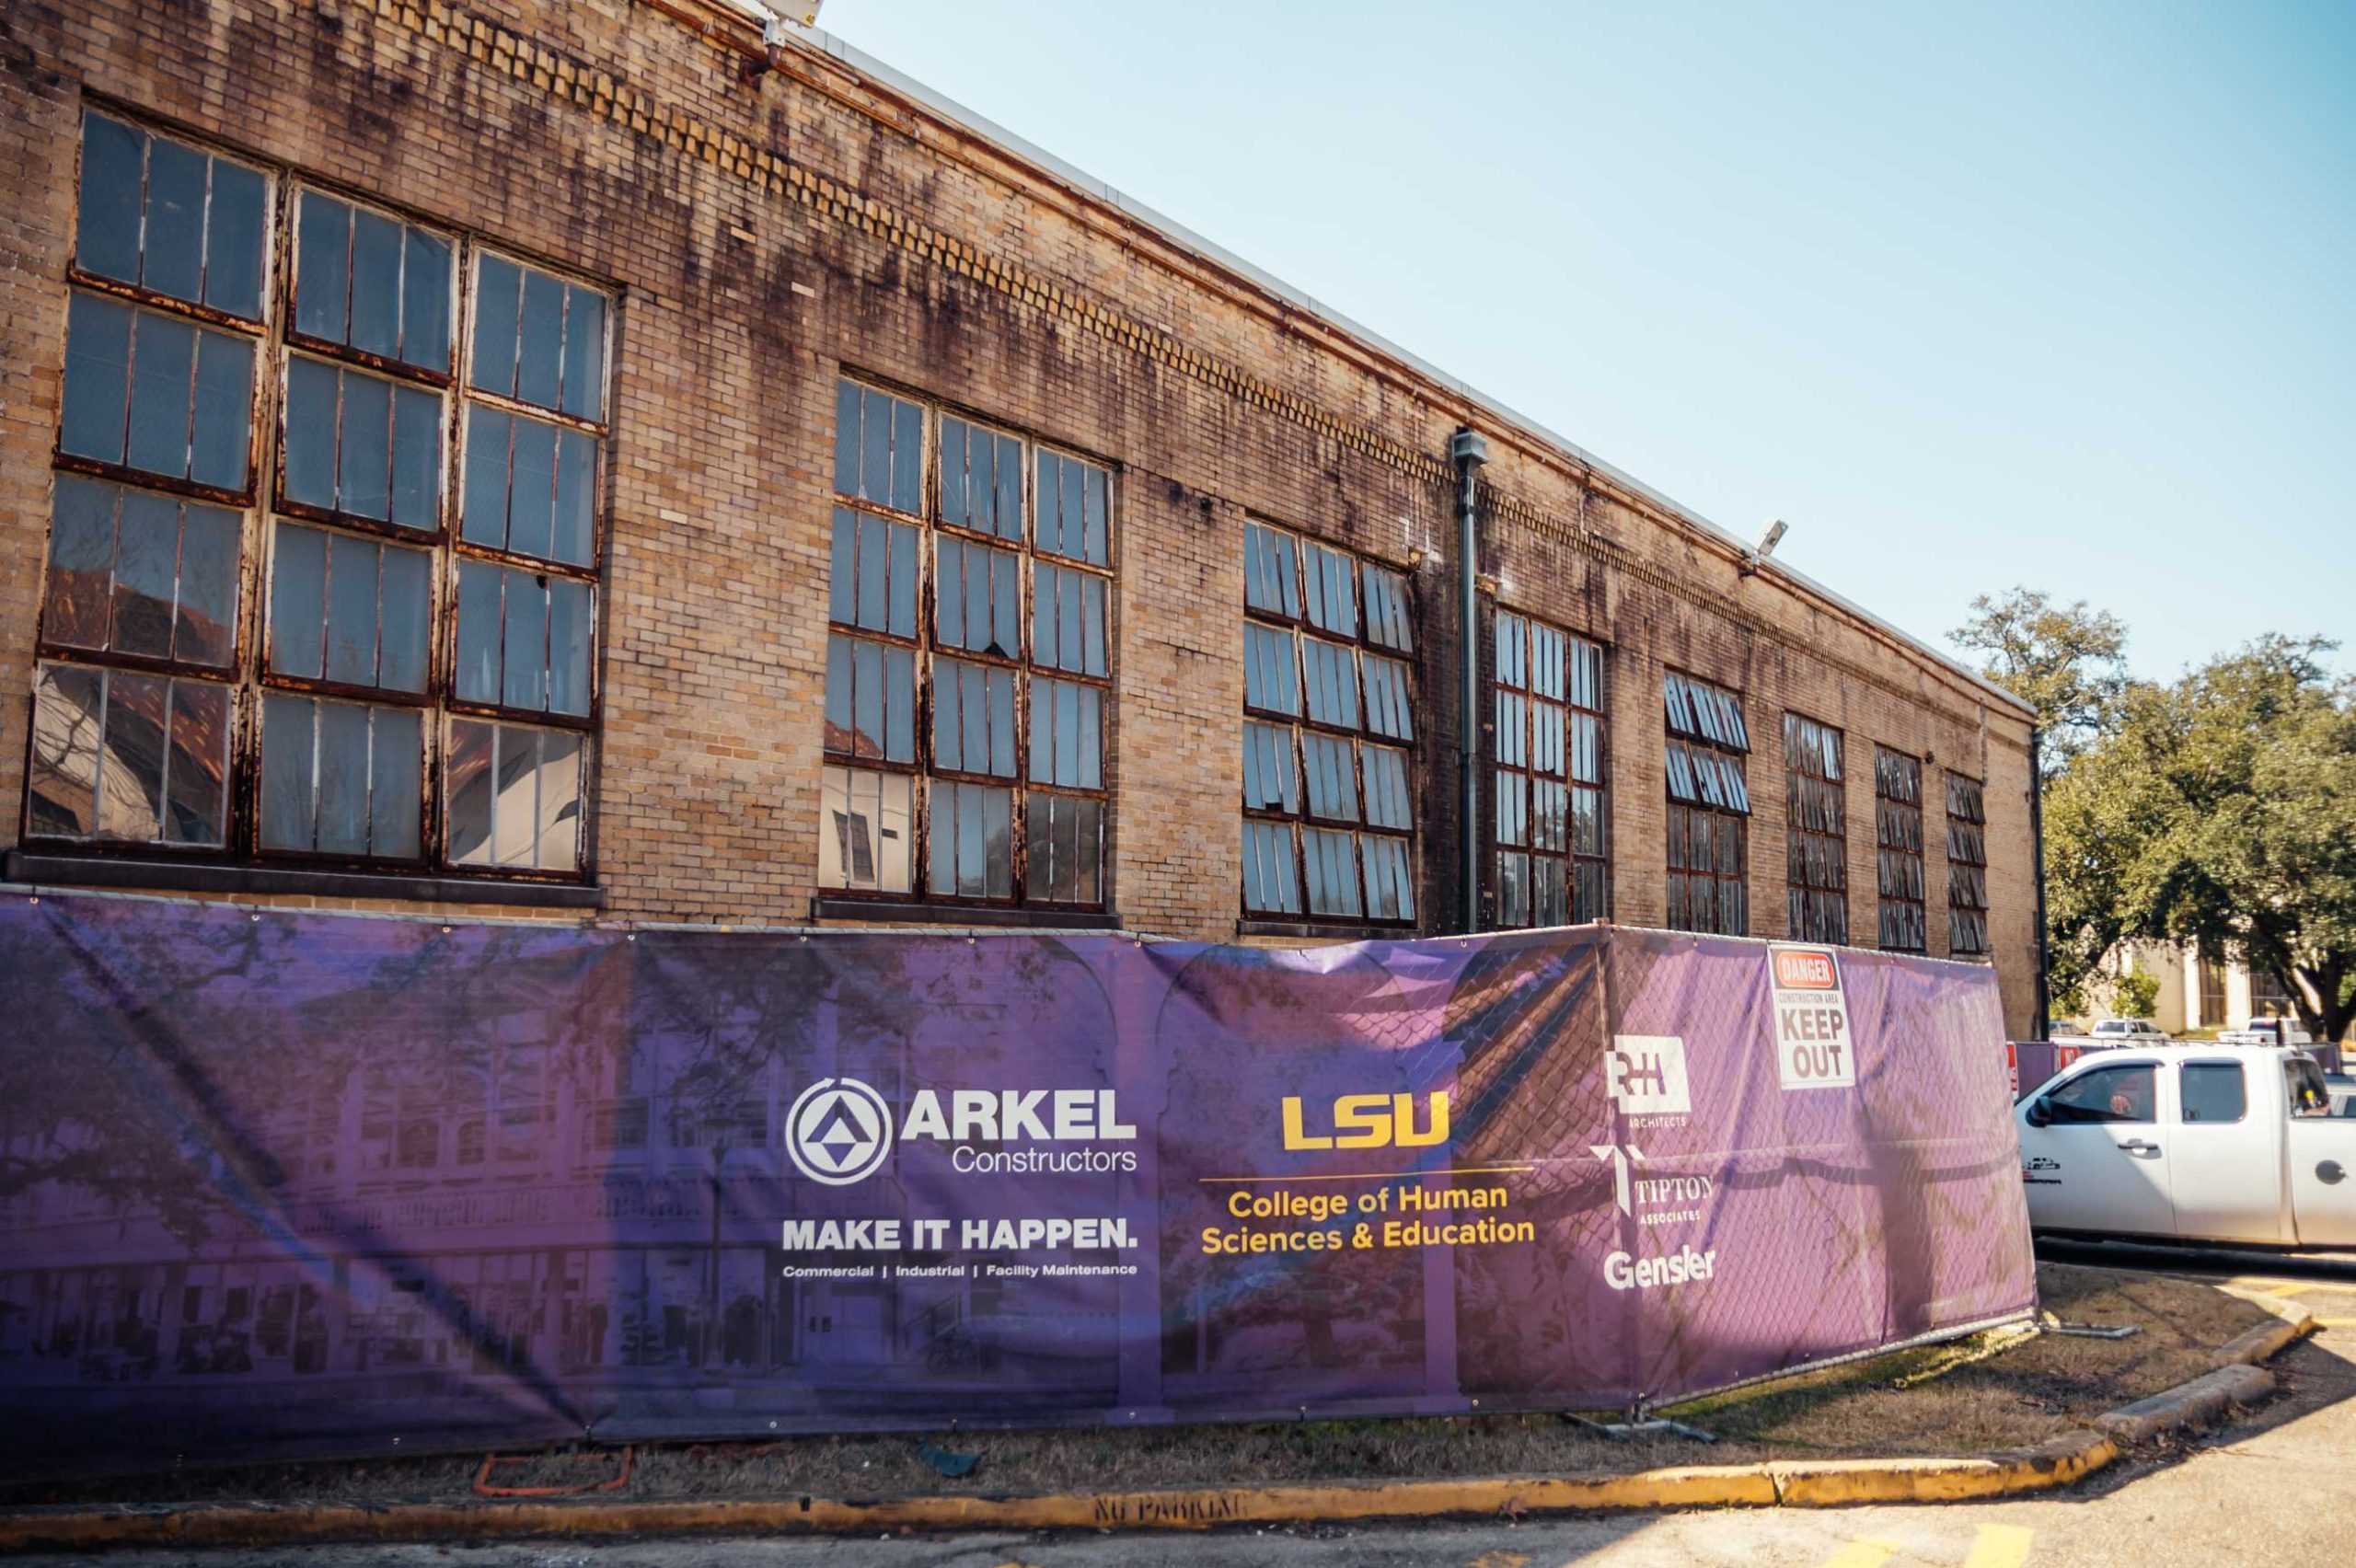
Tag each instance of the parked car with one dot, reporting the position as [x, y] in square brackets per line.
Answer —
[2269, 1032]
[2110, 1029]
[2342, 1089]
[2191, 1143]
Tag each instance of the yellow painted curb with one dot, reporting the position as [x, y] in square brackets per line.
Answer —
[1831, 1483]
[1701, 1486]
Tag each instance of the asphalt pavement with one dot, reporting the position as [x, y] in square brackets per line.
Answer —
[2279, 1488]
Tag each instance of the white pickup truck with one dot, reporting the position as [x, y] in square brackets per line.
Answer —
[2190, 1142]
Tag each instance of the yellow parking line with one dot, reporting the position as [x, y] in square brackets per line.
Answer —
[1999, 1546]
[1860, 1554]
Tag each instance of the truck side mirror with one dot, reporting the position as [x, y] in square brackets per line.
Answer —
[2036, 1114]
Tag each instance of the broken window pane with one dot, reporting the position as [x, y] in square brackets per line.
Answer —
[1270, 780]
[1331, 676]
[1332, 599]
[1271, 884]
[1386, 787]
[865, 824]
[1386, 698]
[1386, 609]
[1270, 679]
[1332, 770]
[1387, 895]
[978, 598]
[1271, 582]
[1330, 860]
[1066, 850]
[1512, 651]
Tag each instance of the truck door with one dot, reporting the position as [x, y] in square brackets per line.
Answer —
[2099, 1164]
[2321, 1158]
[2221, 1158]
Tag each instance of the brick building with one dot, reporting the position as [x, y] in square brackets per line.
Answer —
[587, 460]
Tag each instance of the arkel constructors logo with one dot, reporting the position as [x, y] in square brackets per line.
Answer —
[840, 1131]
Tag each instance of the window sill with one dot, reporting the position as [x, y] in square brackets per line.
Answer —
[177, 876]
[1314, 931]
[862, 911]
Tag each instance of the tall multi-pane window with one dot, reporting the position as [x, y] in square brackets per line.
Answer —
[2212, 994]
[428, 537]
[1816, 831]
[968, 661]
[1898, 835]
[1548, 824]
[1709, 807]
[1967, 869]
[1328, 812]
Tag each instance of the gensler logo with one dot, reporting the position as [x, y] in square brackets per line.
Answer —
[838, 1132]
[1622, 1272]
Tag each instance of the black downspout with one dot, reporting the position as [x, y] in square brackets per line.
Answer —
[2042, 1021]
[1468, 452]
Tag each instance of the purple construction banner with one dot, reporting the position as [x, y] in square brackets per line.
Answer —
[287, 1184]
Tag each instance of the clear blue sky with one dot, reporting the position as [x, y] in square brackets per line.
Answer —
[1972, 296]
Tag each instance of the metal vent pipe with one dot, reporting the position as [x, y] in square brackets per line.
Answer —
[1468, 452]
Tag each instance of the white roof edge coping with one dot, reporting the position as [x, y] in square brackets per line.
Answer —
[1185, 238]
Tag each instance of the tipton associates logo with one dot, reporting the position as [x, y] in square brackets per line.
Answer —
[841, 1131]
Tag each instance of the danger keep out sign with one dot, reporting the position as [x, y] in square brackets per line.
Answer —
[1811, 1019]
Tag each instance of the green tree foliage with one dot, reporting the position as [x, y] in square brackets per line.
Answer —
[2220, 809]
[2065, 661]
[2135, 992]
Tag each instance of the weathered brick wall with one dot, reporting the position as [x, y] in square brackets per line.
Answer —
[767, 230]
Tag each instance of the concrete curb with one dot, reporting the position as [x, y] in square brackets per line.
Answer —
[1811, 1484]
[2254, 1346]
[2203, 1400]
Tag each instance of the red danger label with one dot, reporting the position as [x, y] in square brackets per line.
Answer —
[1803, 971]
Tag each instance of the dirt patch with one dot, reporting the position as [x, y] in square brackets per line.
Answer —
[2031, 1391]
[2022, 1395]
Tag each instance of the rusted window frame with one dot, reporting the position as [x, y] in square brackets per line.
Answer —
[1802, 892]
[1570, 856]
[1892, 856]
[1299, 725]
[262, 508]
[922, 769]
[1680, 811]
[1967, 852]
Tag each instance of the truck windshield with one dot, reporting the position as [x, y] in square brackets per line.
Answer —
[2309, 1096]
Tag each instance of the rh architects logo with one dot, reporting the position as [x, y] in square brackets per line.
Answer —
[838, 1132]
